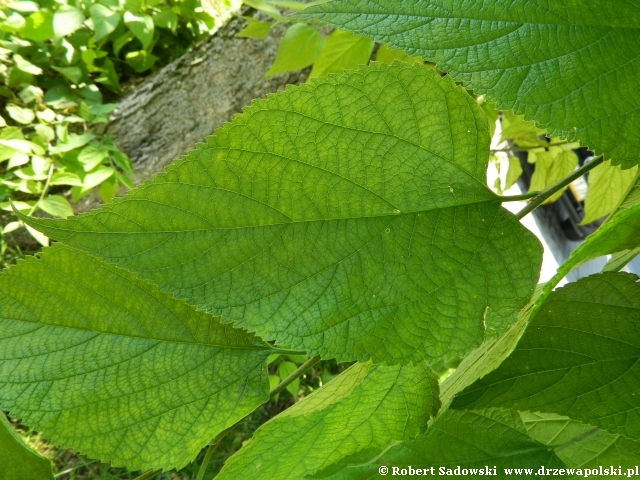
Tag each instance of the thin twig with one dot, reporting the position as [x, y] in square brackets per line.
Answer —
[45, 189]
[297, 373]
[544, 195]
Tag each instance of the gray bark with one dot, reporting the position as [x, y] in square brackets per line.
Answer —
[167, 114]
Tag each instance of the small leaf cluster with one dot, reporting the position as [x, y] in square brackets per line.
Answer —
[62, 65]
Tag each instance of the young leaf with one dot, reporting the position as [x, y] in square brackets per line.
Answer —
[390, 55]
[20, 115]
[141, 26]
[342, 51]
[348, 217]
[514, 172]
[551, 167]
[551, 64]
[364, 410]
[471, 440]
[18, 461]
[56, 205]
[67, 20]
[299, 48]
[578, 357]
[138, 379]
[619, 233]
[607, 187]
[255, 29]
[105, 20]
[66, 178]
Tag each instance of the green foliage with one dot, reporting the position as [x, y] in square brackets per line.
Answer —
[348, 218]
[340, 421]
[18, 461]
[551, 167]
[392, 209]
[343, 51]
[592, 376]
[58, 62]
[607, 187]
[467, 440]
[552, 64]
[115, 380]
[300, 47]
[579, 445]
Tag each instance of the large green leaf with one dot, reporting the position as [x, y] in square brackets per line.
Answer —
[362, 411]
[104, 363]
[571, 66]
[348, 217]
[468, 440]
[17, 461]
[578, 357]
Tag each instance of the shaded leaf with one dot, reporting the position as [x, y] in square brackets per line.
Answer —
[582, 446]
[578, 357]
[18, 461]
[129, 380]
[457, 440]
[365, 409]
[390, 55]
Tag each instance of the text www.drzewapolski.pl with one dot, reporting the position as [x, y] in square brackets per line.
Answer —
[493, 471]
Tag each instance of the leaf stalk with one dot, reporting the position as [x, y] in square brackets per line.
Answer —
[549, 192]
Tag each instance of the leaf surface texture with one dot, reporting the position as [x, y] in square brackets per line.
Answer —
[366, 408]
[571, 66]
[348, 217]
[104, 363]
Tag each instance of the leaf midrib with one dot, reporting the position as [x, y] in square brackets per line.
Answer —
[275, 224]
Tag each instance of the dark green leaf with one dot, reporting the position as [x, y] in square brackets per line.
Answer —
[578, 357]
[552, 61]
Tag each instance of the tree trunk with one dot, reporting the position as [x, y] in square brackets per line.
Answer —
[167, 114]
